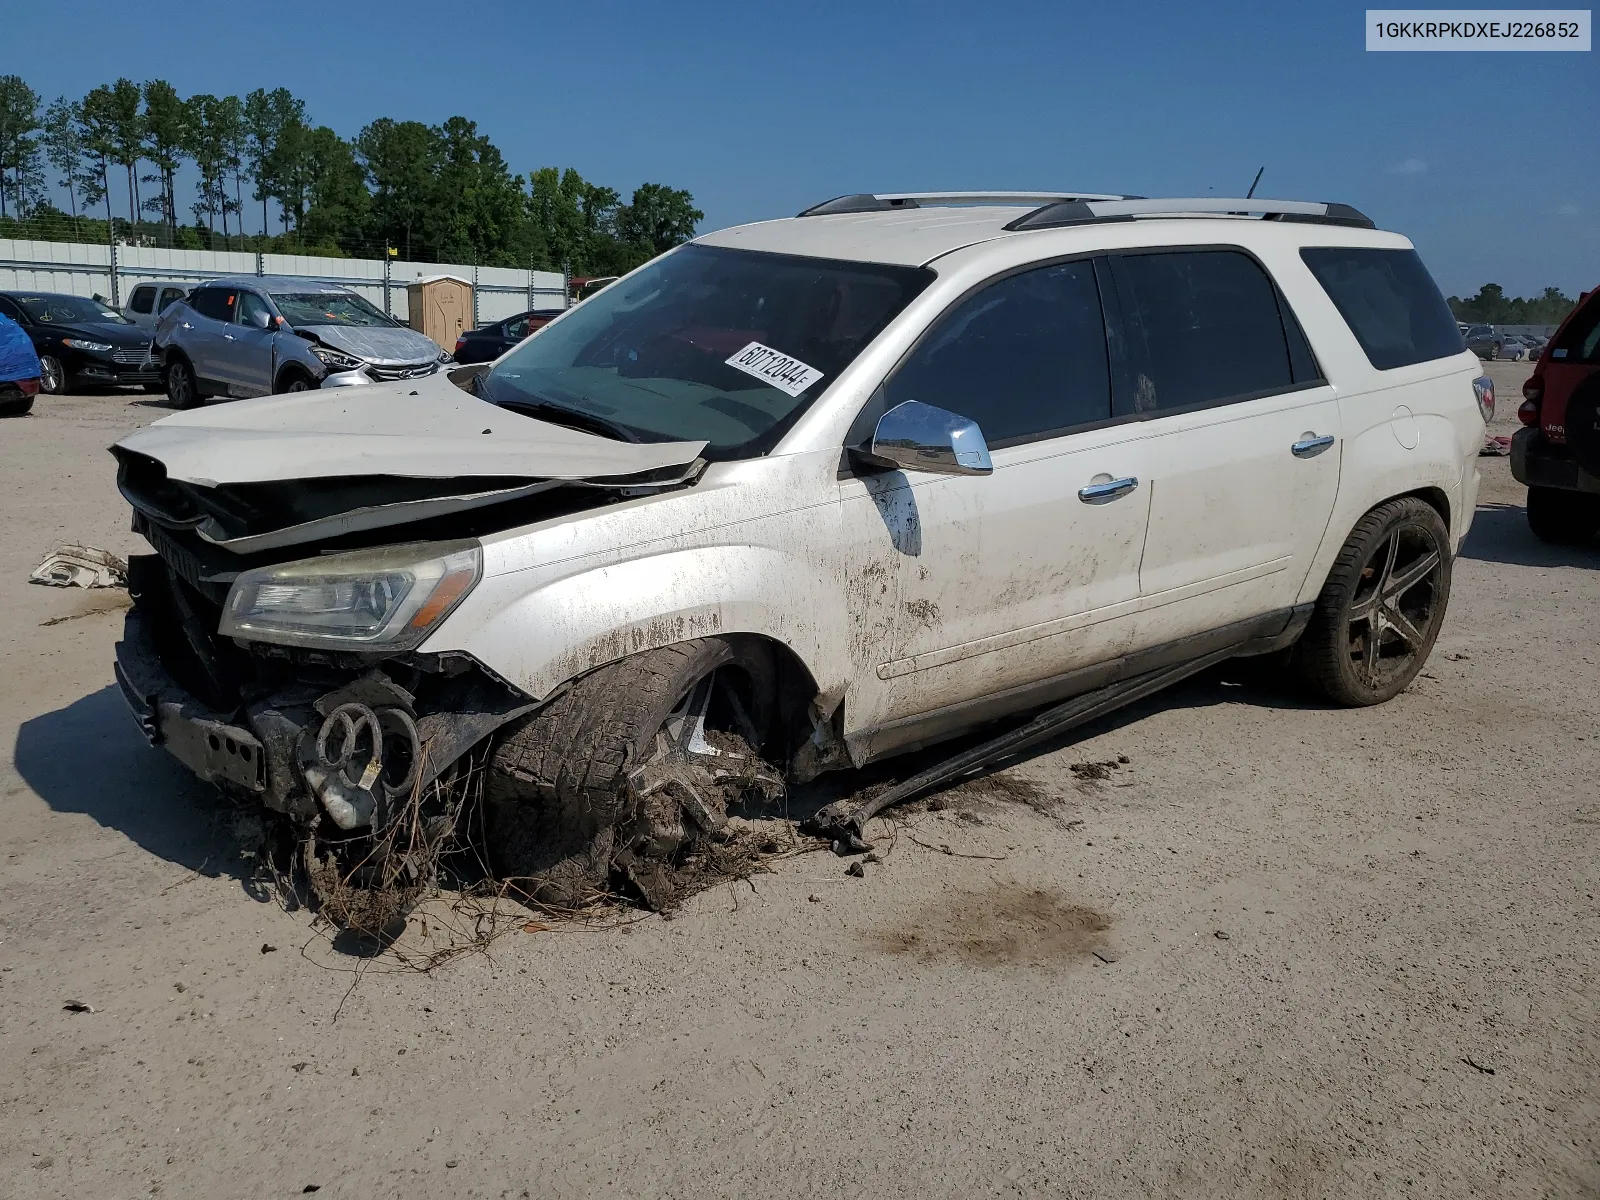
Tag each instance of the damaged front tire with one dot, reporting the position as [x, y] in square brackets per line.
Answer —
[629, 769]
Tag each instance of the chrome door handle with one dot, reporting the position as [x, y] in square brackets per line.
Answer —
[1312, 446]
[227, 337]
[186, 325]
[1100, 493]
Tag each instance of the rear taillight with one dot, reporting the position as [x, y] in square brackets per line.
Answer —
[30, 387]
[1533, 389]
[461, 344]
[1528, 412]
[1483, 388]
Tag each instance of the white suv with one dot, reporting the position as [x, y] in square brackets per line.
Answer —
[801, 495]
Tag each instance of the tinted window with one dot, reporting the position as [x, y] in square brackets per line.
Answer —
[1389, 301]
[1205, 329]
[10, 309]
[517, 328]
[1023, 358]
[170, 297]
[216, 303]
[142, 300]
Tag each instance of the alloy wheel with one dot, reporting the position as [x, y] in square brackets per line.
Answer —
[1392, 615]
[52, 376]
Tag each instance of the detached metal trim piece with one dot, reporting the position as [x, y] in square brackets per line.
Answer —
[846, 821]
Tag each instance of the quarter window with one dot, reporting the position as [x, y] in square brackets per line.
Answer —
[1390, 303]
[142, 300]
[1205, 330]
[1024, 358]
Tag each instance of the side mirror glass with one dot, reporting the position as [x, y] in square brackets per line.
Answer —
[919, 437]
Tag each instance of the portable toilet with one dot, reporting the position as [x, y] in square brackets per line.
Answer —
[440, 307]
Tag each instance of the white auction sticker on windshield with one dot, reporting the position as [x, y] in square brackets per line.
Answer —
[782, 371]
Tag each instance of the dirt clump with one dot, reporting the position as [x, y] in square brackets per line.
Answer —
[1003, 925]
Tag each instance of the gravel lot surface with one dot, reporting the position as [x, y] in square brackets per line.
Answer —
[1283, 951]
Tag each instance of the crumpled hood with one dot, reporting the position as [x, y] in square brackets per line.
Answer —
[385, 347]
[420, 429]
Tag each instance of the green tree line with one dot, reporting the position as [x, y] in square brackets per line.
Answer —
[1491, 306]
[432, 192]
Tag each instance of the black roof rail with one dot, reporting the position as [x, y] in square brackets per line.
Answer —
[890, 201]
[1093, 211]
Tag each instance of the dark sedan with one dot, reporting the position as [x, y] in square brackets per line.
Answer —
[488, 342]
[82, 342]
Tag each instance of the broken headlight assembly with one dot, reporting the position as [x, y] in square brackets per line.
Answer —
[386, 599]
[338, 359]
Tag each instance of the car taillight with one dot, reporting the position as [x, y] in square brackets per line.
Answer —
[1483, 388]
[461, 344]
[30, 387]
[1534, 389]
[1528, 412]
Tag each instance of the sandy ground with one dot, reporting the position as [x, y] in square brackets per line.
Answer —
[1350, 952]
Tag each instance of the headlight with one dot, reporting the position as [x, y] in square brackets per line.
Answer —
[338, 359]
[80, 344]
[385, 599]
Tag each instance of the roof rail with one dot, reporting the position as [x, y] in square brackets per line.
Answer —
[1086, 211]
[889, 201]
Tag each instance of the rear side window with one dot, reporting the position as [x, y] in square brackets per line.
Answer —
[1024, 357]
[170, 297]
[216, 303]
[1389, 301]
[142, 300]
[1580, 341]
[1206, 330]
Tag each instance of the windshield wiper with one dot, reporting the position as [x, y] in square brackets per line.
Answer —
[560, 414]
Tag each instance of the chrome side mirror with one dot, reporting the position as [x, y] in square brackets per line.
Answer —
[919, 437]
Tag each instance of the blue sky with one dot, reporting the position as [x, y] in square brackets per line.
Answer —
[1489, 161]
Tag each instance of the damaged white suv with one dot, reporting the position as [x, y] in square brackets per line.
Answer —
[801, 495]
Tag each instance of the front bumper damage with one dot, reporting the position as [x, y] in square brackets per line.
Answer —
[345, 743]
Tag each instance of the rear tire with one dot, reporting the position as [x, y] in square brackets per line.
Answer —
[16, 408]
[1563, 518]
[1379, 613]
[557, 808]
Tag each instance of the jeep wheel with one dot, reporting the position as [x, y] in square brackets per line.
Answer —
[1380, 611]
[617, 774]
[1561, 517]
[182, 391]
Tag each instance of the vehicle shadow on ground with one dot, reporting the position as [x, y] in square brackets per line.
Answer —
[89, 758]
[1500, 534]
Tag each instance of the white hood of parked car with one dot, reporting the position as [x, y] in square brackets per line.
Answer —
[421, 429]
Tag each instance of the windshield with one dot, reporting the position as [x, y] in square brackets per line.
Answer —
[728, 346]
[327, 308]
[69, 310]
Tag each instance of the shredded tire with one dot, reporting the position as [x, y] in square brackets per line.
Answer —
[558, 812]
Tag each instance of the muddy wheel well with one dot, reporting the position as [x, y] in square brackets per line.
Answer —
[1435, 499]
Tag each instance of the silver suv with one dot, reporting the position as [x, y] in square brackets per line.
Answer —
[260, 335]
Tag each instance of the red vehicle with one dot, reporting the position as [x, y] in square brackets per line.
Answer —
[1557, 454]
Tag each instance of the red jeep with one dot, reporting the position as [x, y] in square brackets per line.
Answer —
[1558, 454]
